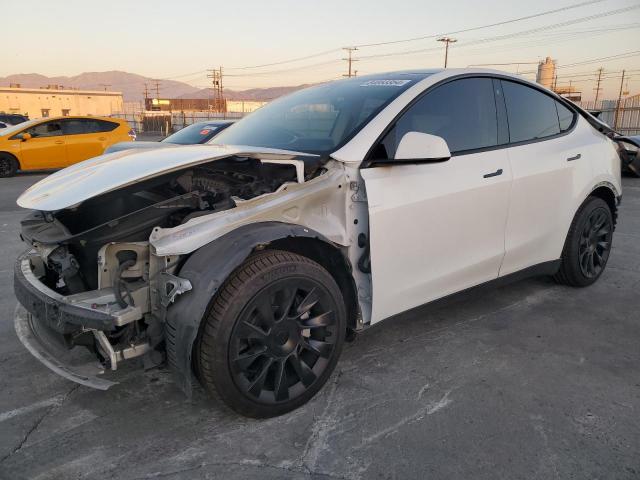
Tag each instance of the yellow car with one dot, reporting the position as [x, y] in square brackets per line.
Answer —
[58, 142]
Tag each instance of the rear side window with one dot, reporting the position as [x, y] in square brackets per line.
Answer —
[74, 127]
[463, 112]
[531, 114]
[565, 116]
[95, 126]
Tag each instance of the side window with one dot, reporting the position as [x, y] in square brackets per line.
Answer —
[47, 129]
[531, 113]
[463, 112]
[565, 116]
[74, 127]
[102, 126]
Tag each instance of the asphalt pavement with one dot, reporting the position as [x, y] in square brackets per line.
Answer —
[528, 381]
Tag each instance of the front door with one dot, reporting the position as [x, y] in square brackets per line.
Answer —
[46, 147]
[438, 228]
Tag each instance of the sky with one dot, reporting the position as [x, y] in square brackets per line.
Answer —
[181, 39]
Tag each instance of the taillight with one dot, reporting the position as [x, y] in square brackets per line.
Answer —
[132, 135]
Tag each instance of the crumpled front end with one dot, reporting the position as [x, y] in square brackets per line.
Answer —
[92, 287]
[79, 335]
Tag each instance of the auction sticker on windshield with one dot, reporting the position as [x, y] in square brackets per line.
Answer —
[385, 83]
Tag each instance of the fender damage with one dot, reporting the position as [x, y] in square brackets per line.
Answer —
[116, 236]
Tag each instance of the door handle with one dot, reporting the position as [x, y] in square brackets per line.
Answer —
[102, 139]
[59, 142]
[493, 174]
[575, 157]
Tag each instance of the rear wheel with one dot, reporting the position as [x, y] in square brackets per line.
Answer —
[8, 165]
[588, 244]
[273, 334]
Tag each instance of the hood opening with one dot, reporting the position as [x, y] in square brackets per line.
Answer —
[130, 213]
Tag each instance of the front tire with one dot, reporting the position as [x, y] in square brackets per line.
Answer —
[273, 334]
[8, 165]
[588, 244]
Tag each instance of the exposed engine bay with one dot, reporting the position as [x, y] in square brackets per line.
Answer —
[96, 254]
[70, 239]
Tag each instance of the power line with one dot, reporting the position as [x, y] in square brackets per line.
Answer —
[510, 35]
[282, 62]
[480, 27]
[475, 28]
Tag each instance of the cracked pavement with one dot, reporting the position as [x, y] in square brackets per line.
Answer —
[529, 380]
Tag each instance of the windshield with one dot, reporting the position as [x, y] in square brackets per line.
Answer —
[17, 128]
[196, 133]
[319, 119]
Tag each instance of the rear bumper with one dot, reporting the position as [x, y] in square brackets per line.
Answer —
[48, 346]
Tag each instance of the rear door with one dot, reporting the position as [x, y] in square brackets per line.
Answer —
[46, 147]
[438, 228]
[551, 169]
[87, 138]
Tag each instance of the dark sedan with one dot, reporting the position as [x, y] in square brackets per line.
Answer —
[197, 133]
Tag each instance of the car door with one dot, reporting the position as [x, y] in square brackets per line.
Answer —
[438, 228]
[85, 139]
[45, 149]
[551, 168]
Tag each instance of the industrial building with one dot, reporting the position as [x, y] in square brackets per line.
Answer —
[201, 105]
[55, 100]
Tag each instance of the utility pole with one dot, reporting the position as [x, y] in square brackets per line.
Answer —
[615, 123]
[447, 41]
[105, 85]
[146, 97]
[218, 96]
[597, 89]
[350, 61]
[157, 83]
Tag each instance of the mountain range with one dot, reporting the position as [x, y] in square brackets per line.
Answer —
[132, 86]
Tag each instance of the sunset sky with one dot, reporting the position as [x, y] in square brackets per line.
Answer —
[180, 40]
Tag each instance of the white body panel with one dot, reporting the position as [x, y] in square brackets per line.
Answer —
[435, 228]
[548, 188]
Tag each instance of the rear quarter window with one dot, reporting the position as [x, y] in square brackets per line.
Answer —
[531, 114]
[101, 126]
[565, 117]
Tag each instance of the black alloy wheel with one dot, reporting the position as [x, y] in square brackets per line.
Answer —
[588, 244]
[283, 340]
[273, 334]
[8, 166]
[595, 243]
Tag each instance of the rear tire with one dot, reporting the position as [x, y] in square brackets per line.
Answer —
[273, 334]
[588, 244]
[8, 165]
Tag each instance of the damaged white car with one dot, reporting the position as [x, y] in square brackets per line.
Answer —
[247, 264]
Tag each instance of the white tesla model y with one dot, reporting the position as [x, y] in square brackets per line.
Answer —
[247, 263]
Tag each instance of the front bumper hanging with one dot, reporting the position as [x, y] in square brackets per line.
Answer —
[48, 347]
[44, 318]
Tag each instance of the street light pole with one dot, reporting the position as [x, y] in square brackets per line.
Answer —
[447, 41]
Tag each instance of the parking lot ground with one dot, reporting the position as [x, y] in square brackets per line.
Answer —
[527, 381]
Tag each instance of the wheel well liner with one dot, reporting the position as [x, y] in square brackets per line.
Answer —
[607, 193]
[209, 267]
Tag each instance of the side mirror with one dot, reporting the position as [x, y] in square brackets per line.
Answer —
[25, 136]
[417, 146]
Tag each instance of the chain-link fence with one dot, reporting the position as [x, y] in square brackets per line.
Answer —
[625, 118]
[165, 123]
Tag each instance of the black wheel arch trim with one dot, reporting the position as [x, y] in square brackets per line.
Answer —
[207, 269]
